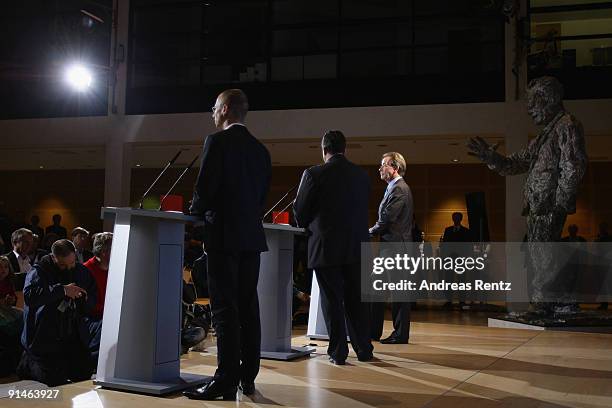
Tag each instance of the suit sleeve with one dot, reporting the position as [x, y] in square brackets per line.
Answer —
[208, 181]
[38, 292]
[572, 166]
[91, 287]
[303, 207]
[389, 213]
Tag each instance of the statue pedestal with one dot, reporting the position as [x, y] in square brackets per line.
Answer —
[592, 322]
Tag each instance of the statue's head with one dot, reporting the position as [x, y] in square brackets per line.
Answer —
[544, 99]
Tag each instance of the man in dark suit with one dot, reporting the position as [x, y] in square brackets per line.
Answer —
[455, 243]
[395, 220]
[230, 194]
[456, 232]
[22, 240]
[332, 202]
[56, 228]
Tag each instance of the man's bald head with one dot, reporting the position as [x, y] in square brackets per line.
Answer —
[236, 102]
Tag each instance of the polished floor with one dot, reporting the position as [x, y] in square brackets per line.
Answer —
[453, 360]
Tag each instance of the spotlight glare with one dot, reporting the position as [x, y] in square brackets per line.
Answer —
[78, 77]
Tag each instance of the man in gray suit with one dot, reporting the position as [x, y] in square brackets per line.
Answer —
[395, 219]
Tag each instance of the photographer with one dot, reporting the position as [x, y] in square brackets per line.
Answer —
[58, 293]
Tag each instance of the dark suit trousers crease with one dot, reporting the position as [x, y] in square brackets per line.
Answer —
[400, 314]
[342, 308]
[232, 285]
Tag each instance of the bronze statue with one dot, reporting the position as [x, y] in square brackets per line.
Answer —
[555, 162]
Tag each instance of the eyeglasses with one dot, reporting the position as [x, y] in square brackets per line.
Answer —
[385, 165]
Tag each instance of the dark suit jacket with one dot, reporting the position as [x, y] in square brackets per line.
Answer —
[450, 235]
[332, 202]
[395, 214]
[13, 262]
[230, 192]
[456, 243]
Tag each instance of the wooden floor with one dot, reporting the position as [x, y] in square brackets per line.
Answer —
[453, 360]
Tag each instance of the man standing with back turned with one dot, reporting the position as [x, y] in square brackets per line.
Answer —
[332, 202]
[230, 194]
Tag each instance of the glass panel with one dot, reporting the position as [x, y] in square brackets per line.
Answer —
[376, 63]
[169, 47]
[304, 11]
[376, 35]
[547, 3]
[154, 75]
[238, 46]
[235, 14]
[320, 66]
[583, 22]
[287, 68]
[431, 60]
[300, 41]
[368, 9]
[167, 19]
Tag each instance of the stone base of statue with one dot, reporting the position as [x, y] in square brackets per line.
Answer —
[558, 319]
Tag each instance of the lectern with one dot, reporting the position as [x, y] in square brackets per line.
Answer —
[140, 344]
[275, 291]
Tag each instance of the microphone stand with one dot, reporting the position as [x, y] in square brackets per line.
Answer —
[170, 163]
[279, 201]
[177, 180]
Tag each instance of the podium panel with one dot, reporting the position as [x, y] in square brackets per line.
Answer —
[140, 342]
[275, 292]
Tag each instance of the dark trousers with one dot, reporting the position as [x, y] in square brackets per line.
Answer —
[400, 312]
[232, 285]
[342, 308]
[72, 363]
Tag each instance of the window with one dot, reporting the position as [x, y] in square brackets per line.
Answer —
[315, 53]
[572, 40]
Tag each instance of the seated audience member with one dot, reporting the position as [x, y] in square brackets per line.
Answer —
[48, 241]
[56, 228]
[58, 294]
[80, 238]
[10, 322]
[36, 254]
[98, 266]
[22, 242]
[35, 227]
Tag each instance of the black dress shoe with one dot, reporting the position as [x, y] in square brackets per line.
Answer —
[337, 362]
[212, 391]
[365, 356]
[393, 340]
[248, 388]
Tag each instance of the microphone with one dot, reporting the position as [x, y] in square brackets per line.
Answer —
[279, 201]
[170, 163]
[283, 210]
[177, 180]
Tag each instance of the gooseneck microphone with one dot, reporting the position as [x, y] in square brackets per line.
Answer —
[177, 180]
[279, 201]
[170, 163]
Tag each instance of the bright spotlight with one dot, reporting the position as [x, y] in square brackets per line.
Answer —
[78, 77]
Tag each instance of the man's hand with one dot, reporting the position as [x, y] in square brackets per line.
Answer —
[74, 292]
[480, 148]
